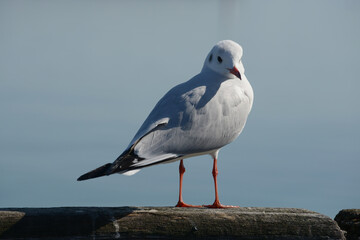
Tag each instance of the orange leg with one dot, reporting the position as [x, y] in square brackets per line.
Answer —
[181, 202]
[217, 203]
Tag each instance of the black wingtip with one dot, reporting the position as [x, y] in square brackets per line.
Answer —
[98, 172]
[81, 178]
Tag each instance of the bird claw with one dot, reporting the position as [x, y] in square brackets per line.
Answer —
[182, 204]
[217, 204]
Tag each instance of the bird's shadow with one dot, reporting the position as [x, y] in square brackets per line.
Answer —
[210, 92]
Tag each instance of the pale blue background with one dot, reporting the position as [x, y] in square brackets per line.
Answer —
[77, 79]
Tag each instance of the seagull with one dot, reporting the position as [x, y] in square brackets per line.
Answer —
[197, 117]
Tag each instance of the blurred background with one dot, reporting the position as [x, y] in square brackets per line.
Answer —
[78, 78]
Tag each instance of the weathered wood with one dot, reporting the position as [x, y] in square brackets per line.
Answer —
[349, 221]
[165, 223]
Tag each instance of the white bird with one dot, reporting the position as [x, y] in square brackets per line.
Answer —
[194, 118]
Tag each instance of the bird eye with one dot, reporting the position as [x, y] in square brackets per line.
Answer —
[219, 59]
[210, 58]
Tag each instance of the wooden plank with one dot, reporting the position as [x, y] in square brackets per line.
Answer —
[165, 223]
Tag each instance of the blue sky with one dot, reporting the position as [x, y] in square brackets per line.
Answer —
[78, 78]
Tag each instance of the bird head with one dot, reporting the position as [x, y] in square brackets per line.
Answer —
[225, 59]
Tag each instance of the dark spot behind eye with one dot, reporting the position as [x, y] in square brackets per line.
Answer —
[219, 59]
[210, 58]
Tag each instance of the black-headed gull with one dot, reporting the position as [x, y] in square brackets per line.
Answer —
[194, 118]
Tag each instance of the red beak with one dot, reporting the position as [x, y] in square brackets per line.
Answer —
[235, 71]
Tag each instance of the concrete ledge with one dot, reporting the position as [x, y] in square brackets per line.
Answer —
[165, 223]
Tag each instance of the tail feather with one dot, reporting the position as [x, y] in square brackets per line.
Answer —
[98, 172]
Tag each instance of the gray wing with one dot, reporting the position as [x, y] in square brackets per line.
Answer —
[148, 145]
[130, 160]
